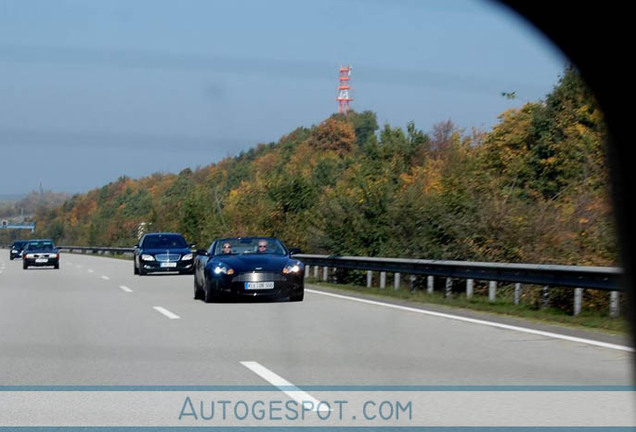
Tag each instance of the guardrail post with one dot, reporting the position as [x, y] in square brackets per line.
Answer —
[369, 279]
[382, 280]
[307, 271]
[430, 283]
[325, 273]
[396, 281]
[614, 304]
[469, 288]
[492, 291]
[413, 279]
[578, 300]
[448, 287]
[316, 272]
[517, 293]
[545, 297]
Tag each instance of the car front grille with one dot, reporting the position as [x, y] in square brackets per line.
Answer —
[167, 257]
[258, 277]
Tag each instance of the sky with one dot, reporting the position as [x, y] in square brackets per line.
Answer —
[93, 90]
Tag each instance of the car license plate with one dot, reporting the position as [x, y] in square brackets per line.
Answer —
[259, 285]
[168, 265]
[41, 260]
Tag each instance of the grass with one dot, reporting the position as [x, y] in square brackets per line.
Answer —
[504, 306]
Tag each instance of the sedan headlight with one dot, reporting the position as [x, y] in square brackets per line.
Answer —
[146, 257]
[187, 257]
[221, 268]
[29, 256]
[292, 268]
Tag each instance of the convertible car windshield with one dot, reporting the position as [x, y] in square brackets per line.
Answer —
[249, 245]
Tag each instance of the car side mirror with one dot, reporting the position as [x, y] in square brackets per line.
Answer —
[202, 252]
[293, 251]
[192, 246]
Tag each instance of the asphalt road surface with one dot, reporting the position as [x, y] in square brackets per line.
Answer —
[94, 323]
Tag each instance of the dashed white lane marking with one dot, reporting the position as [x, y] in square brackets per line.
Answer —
[105, 278]
[166, 312]
[481, 322]
[90, 270]
[286, 387]
[125, 288]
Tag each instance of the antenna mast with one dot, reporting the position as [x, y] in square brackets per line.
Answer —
[343, 90]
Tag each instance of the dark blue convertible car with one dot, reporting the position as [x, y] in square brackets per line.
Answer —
[248, 267]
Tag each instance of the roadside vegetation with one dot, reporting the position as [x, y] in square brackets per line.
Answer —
[534, 189]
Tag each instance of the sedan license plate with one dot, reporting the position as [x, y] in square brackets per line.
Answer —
[168, 265]
[259, 285]
[41, 260]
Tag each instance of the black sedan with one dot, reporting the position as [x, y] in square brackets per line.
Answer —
[248, 267]
[16, 249]
[163, 252]
[38, 253]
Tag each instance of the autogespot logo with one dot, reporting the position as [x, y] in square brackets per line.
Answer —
[232, 411]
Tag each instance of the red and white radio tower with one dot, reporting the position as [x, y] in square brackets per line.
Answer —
[343, 90]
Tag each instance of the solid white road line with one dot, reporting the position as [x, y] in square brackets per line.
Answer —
[481, 322]
[302, 397]
[166, 312]
[105, 278]
[125, 288]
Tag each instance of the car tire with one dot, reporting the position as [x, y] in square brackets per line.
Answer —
[25, 265]
[208, 297]
[135, 269]
[297, 297]
[56, 266]
[10, 258]
[198, 295]
[142, 272]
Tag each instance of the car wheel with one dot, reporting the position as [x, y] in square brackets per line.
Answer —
[297, 297]
[197, 290]
[25, 265]
[57, 266]
[135, 269]
[141, 271]
[10, 258]
[208, 297]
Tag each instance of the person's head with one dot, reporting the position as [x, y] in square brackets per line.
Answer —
[262, 245]
[227, 248]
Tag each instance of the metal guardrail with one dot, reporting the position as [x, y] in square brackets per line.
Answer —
[95, 249]
[603, 278]
[576, 277]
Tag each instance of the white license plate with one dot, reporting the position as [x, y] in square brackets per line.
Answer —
[41, 260]
[168, 265]
[259, 285]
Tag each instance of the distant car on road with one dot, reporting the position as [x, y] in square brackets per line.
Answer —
[163, 252]
[248, 267]
[16, 249]
[39, 253]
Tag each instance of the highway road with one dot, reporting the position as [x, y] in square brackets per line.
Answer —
[94, 323]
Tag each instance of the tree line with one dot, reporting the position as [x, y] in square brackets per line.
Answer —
[533, 189]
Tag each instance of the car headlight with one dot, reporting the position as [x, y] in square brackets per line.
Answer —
[187, 257]
[14, 251]
[292, 268]
[30, 256]
[221, 268]
[147, 257]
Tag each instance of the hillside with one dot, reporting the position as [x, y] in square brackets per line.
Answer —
[533, 189]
